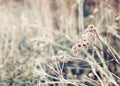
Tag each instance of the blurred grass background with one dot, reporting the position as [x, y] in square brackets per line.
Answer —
[32, 31]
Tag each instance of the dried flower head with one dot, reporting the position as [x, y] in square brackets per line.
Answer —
[86, 44]
[63, 58]
[76, 48]
[117, 17]
[90, 28]
[87, 36]
[78, 45]
[91, 75]
[60, 52]
[89, 32]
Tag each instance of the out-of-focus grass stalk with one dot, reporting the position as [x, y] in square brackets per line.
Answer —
[80, 16]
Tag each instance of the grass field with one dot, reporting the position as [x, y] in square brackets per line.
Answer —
[59, 42]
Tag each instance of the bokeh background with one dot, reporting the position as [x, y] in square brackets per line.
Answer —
[33, 31]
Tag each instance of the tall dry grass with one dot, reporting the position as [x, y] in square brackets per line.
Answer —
[44, 43]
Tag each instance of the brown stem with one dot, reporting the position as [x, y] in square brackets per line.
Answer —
[108, 54]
